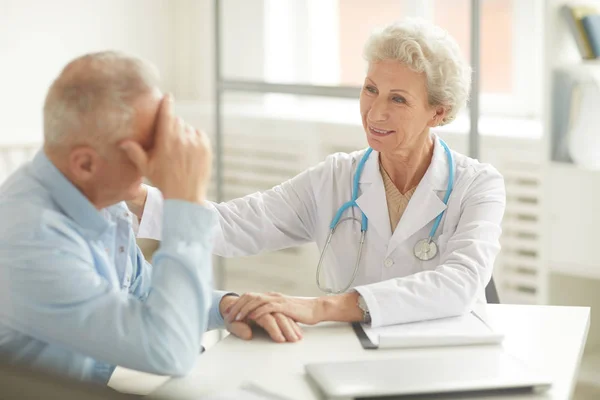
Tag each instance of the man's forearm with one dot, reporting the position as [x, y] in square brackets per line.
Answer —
[220, 300]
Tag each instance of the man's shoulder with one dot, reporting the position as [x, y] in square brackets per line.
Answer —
[27, 210]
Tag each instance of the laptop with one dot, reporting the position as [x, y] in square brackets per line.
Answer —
[437, 374]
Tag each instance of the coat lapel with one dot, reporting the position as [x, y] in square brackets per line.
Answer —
[372, 199]
[427, 201]
[424, 206]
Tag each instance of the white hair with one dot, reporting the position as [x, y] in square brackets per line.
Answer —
[426, 48]
[92, 100]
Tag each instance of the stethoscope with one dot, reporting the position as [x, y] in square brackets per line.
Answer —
[425, 249]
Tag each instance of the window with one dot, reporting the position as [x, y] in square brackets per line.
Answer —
[320, 42]
[453, 16]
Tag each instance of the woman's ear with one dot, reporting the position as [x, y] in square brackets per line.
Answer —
[438, 117]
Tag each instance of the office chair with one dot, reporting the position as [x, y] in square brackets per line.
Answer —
[21, 383]
[491, 294]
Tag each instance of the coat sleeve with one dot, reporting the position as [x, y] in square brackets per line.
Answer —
[281, 217]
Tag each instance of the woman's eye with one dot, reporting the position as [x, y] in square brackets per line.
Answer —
[371, 89]
[399, 99]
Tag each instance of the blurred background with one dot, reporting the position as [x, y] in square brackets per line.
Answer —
[536, 111]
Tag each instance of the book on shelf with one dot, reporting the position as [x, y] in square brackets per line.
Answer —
[574, 16]
[591, 24]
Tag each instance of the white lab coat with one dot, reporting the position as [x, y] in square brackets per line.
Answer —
[396, 286]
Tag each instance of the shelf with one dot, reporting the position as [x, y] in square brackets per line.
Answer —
[577, 271]
[589, 371]
[570, 167]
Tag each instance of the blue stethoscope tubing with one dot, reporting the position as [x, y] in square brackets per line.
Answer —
[425, 249]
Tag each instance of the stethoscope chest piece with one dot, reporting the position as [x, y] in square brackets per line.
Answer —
[425, 249]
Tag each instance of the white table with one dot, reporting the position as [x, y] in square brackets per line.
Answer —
[550, 339]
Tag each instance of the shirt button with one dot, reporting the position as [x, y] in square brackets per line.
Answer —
[388, 262]
[121, 249]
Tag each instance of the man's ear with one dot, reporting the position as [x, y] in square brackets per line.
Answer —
[83, 163]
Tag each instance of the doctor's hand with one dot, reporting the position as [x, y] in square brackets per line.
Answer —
[278, 326]
[179, 164]
[137, 204]
[254, 306]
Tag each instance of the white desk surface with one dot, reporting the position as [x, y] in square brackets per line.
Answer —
[550, 339]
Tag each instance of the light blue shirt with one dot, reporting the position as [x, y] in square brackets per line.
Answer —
[76, 295]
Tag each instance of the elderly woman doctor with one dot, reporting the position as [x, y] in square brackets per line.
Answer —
[416, 225]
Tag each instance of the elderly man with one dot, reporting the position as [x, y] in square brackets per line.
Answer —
[76, 295]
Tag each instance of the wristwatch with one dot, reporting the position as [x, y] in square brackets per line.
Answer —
[362, 304]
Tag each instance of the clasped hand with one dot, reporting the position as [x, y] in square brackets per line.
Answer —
[277, 314]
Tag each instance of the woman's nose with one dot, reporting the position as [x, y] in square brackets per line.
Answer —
[378, 111]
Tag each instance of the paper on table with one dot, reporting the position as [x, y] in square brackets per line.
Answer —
[247, 391]
[455, 331]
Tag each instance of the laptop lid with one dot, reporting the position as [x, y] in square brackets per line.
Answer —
[427, 373]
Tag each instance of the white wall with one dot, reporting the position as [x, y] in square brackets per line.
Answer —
[193, 44]
[38, 37]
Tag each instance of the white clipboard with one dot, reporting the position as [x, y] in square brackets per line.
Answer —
[467, 329]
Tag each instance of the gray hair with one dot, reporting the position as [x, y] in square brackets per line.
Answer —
[92, 99]
[426, 48]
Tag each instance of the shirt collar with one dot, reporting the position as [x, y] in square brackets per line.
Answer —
[436, 174]
[68, 198]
